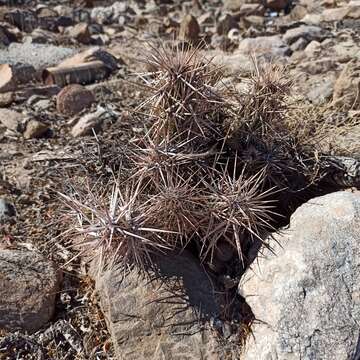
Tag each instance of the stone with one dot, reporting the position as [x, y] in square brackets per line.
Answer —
[320, 92]
[7, 210]
[14, 75]
[93, 54]
[305, 292]
[189, 29]
[80, 32]
[307, 32]
[320, 66]
[298, 13]
[28, 287]
[313, 49]
[312, 19]
[163, 315]
[24, 20]
[251, 9]
[354, 10]
[336, 14]
[298, 45]
[74, 98]
[6, 99]
[252, 20]
[11, 119]
[347, 87]
[89, 123]
[225, 24]
[234, 5]
[264, 45]
[35, 129]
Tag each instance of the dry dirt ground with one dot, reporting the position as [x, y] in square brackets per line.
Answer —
[33, 170]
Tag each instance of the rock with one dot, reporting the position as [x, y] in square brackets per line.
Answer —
[305, 291]
[312, 19]
[318, 66]
[252, 20]
[235, 5]
[225, 24]
[35, 129]
[264, 45]
[278, 5]
[6, 38]
[347, 87]
[74, 98]
[336, 14]
[6, 99]
[89, 123]
[299, 44]
[80, 32]
[307, 32]
[7, 210]
[11, 119]
[251, 9]
[298, 13]
[354, 10]
[24, 20]
[313, 49]
[145, 325]
[28, 287]
[12, 76]
[320, 92]
[189, 29]
[92, 54]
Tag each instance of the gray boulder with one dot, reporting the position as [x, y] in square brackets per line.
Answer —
[28, 287]
[306, 297]
[163, 315]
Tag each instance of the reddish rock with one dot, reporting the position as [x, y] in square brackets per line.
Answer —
[73, 99]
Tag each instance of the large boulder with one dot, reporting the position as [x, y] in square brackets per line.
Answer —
[28, 287]
[162, 315]
[305, 291]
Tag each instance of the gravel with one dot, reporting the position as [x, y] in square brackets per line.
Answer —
[37, 55]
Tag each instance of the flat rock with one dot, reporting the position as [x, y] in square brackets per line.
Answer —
[28, 287]
[307, 32]
[160, 316]
[264, 45]
[10, 119]
[306, 291]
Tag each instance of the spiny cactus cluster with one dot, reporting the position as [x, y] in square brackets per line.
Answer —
[210, 171]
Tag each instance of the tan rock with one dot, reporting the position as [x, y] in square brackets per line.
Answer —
[35, 129]
[347, 87]
[79, 32]
[11, 119]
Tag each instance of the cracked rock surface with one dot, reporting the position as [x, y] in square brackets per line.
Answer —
[306, 298]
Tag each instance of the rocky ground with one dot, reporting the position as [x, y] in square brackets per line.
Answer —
[46, 128]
